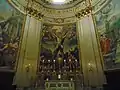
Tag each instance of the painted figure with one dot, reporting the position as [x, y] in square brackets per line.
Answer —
[61, 42]
[105, 44]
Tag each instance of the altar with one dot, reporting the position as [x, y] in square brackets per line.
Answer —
[59, 85]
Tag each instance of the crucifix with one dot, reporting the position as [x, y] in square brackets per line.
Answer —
[60, 36]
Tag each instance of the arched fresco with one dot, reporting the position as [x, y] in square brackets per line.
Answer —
[11, 22]
[108, 26]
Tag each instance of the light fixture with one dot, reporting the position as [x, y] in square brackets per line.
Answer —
[59, 76]
[47, 79]
[27, 67]
[89, 64]
[90, 67]
[58, 1]
[71, 79]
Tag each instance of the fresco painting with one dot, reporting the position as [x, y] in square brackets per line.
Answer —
[58, 42]
[11, 22]
[108, 26]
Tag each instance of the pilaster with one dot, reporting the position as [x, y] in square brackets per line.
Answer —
[91, 60]
[29, 53]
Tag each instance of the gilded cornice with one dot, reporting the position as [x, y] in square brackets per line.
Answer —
[59, 21]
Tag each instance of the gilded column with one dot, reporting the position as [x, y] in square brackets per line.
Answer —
[29, 53]
[91, 60]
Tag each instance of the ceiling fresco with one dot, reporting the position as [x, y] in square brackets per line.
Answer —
[108, 26]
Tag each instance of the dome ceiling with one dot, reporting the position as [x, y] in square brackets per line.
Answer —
[57, 13]
[58, 4]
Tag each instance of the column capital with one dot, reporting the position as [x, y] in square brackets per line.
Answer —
[82, 13]
[34, 13]
[91, 60]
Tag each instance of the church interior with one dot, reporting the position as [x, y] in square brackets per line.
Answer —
[59, 44]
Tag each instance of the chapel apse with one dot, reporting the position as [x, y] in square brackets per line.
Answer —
[58, 46]
[11, 22]
[108, 26]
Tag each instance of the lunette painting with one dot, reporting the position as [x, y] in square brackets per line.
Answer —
[58, 47]
[11, 22]
[108, 26]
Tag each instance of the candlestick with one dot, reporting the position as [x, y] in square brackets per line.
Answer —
[53, 65]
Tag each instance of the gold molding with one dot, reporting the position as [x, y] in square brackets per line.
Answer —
[98, 42]
[79, 47]
[20, 43]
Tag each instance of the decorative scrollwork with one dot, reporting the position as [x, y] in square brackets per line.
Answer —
[35, 13]
[59, 20]
[84, 12]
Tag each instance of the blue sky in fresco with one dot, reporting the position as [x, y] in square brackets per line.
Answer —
[114, 12]
[117, 5]
[4, 6]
